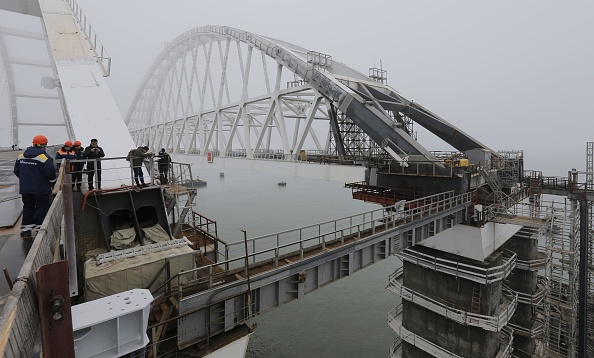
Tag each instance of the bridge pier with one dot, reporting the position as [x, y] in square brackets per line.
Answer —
[453, 305]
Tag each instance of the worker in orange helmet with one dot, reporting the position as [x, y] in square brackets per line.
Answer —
[37, 176]
[64, 153]
[77, 168]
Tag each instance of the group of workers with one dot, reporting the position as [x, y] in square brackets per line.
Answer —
[37, 174]
[136, 158]
[74, 151]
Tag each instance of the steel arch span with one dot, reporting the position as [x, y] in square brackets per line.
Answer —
[237, 94]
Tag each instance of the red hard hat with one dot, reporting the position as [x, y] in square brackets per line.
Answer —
[77, 142]
[68, 143]
[40, 140]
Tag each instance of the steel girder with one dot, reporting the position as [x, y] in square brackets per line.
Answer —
[181, 106]
[22, 90]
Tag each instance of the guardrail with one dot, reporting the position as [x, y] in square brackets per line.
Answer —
[507, 339]
[492, 323]
[300, 239]
[19, 320]
[469, 272]
[208, 228]
[101, 56]
[178, 173]
[394, 317]
[274, 247]
[533, 265]
[396, 348]
[425, 345]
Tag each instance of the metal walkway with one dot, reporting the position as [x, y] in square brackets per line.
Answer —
[288, 265]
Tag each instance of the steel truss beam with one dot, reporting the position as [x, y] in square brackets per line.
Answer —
[218, 89]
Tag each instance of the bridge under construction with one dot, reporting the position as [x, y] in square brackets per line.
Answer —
[496, 260]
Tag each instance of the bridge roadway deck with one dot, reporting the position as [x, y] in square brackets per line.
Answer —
[280, 278]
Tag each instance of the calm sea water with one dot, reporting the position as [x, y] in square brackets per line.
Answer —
[344, 319]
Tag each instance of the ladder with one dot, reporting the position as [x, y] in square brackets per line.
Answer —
[475, 306]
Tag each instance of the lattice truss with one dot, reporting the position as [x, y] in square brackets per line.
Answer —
[30, 97]
[223, 93]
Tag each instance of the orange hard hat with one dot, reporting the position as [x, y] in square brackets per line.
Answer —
[77, 142]
[68, 143]
[40, 140]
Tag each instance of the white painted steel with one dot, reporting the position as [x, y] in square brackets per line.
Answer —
[221, 90]
[25, 62]
[332, 172]
[92, 110]
[112, 326]
[236, 348]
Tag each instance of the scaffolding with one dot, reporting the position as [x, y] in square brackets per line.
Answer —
[590, 185]
[510, 167]
[561, 302]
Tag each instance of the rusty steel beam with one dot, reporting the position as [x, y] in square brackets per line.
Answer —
[53, 299]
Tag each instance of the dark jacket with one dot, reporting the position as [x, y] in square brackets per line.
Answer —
[89, 153]
[63, 154]
[79, 155]
[164, 160]
[137, 155]
[35, 170]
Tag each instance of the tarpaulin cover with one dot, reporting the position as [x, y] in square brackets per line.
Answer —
[134, 272]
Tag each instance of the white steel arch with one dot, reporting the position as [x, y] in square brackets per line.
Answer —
[30, 97]
[233, 93]
[209, 91]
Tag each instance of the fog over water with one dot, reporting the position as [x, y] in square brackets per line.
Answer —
[347, 318]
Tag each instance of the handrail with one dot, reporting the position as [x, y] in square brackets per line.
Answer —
[101, 56]
[470, 272]
[393, 314]
[507, 339]
[302, 239]
[425, 345]
[492, 323]
[424, 206]
[396, 348]
[21, 305]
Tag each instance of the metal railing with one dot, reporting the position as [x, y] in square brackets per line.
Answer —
[19, 320]
[274, 247]
[469, 272]
[506, 338]
[535, 264]
[425, 345]
[396, 348]
[534, 299]
[395, 317]
[208, 228]
[536, 330]
[101, 56]
[493, 323]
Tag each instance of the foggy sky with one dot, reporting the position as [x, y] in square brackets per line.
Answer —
[513, 74]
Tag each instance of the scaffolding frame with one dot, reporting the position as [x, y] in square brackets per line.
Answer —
[510, 162]
[561, 300]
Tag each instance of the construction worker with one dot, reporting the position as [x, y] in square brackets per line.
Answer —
[136, 157]
[164, 164]
[37, 176]
[77, 168]
[94, 151]
[64, 153]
